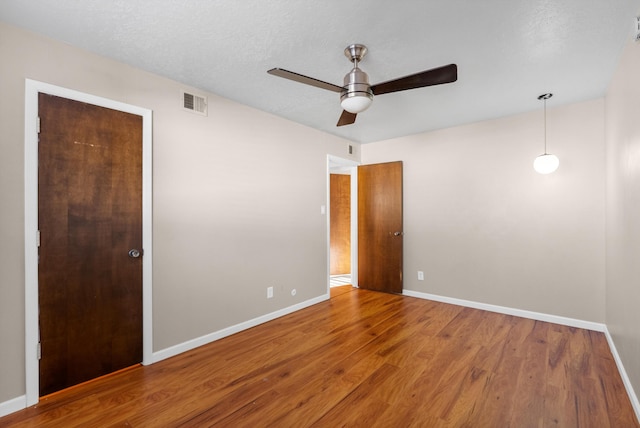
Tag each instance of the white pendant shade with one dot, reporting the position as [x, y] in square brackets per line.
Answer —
[546, 163]
[356, 104]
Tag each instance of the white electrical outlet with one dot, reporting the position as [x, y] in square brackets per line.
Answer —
[269, 292]
[420, 275]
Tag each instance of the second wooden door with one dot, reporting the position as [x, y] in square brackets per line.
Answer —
[380, 234]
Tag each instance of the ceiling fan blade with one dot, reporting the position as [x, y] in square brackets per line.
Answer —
[435, 76]
[304, 79]
[346, 118]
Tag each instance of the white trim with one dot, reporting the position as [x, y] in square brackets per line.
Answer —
[217, 335]
[571, 322]
[13, 405]
[354, 225]
[32, 88]
[623, 374]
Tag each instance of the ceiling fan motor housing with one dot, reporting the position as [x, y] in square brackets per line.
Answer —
[356, 85]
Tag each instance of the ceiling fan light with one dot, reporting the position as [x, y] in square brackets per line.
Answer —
[356, 94]
[356, 103]
[546, 163]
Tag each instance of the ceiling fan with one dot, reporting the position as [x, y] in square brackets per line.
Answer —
[357, 94]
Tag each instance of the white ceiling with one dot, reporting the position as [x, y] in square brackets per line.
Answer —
[507, 52]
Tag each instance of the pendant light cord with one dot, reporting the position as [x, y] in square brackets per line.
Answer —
[545, 97]
[545, 126]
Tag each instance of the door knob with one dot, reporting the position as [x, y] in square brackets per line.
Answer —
[398, 233]
[134, 253]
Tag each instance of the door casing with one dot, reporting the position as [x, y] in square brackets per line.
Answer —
[32, 88]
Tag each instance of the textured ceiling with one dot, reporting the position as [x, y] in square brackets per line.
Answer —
[507, 52]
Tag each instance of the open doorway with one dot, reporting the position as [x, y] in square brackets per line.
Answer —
[340, 228]
[376, 230]
[342, 221]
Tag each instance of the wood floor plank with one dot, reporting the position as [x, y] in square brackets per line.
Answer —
[317, 347]
[309, 402]
[369, 405]
[531, 380]
[363, 359]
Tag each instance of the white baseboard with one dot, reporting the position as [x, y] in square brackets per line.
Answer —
[211, 337]
[13, 405]
[571, 322]
[623, 373]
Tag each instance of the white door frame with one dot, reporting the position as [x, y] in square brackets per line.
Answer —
[352, 167]
[32, 88]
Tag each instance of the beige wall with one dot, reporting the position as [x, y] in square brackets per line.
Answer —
[623, 211]
[236, 200]
[484, 226]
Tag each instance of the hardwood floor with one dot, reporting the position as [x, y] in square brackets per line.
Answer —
[364, 359]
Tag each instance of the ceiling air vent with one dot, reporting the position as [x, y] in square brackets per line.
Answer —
[194, 103]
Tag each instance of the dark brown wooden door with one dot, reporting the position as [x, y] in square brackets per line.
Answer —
[340, 220]
[380, 232]
[89, 217]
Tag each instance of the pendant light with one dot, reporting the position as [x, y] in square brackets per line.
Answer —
[545, 163]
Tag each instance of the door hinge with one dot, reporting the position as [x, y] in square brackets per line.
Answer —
[38, 125]
[38, 238]
[39, 351]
